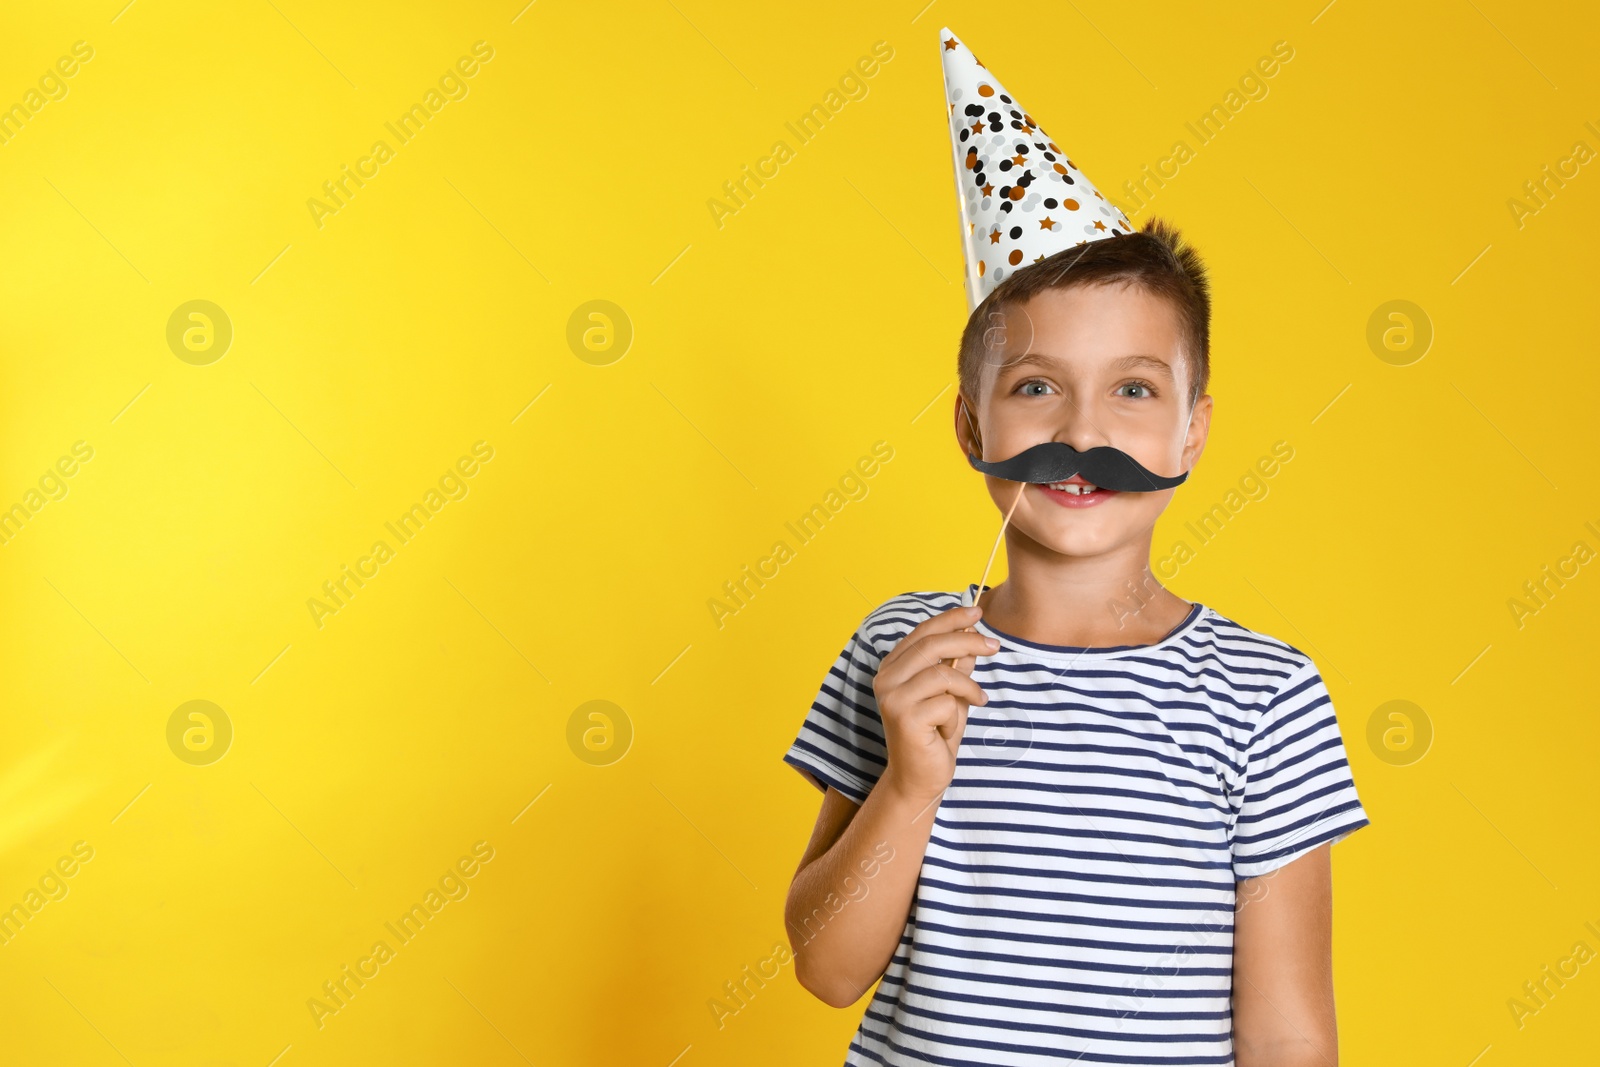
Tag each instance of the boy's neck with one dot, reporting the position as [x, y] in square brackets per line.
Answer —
[1086, 602]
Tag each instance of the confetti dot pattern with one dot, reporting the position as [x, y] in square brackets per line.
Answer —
[1020, 197]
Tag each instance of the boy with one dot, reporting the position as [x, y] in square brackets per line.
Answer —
[1093, 828]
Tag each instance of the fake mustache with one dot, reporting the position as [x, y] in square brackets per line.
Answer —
[1056, 461]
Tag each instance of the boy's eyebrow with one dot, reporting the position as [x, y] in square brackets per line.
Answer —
[1038, 358]
[1159, 366]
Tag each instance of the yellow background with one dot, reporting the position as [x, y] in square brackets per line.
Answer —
[768, 355]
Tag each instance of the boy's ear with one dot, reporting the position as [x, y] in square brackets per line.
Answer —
[1199, 430]
[967, 434]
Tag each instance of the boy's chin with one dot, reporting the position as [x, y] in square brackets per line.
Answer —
[1091, 532]
[1080, 547]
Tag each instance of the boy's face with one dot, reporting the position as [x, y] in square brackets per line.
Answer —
[1090, 365]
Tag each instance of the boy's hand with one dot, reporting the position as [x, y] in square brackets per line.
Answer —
[923, 701]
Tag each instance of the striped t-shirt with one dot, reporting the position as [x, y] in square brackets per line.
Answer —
[1076, 900]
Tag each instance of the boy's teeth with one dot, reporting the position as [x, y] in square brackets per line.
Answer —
[1075, 488]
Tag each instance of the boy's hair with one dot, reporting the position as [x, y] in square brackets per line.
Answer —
[1156, 259]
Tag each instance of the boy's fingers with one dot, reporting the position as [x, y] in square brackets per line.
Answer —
[936, 711]
[945, 622]
[931, 684]
[965, 630]
[954, 724]
[960, 643]
[965, 664]
[933, 649]
[943, 669]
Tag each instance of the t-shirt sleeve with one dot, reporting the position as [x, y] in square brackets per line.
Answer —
[841, 740]
[1298, 791]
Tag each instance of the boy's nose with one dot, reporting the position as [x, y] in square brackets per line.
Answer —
[1079, 428]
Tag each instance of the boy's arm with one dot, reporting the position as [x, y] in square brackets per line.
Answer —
[850, 897]
[1283, 1011]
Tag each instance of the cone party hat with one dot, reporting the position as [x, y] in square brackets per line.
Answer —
[1021, 198]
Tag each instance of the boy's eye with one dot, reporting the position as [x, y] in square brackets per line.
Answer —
[1026, 387]
[1148, 391]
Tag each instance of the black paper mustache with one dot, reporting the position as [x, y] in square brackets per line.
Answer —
[1056, 461]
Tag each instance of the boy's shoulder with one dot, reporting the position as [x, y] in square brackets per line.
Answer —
[887, 623]
[1237, 643]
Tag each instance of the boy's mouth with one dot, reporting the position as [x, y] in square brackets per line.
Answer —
[1076, 493]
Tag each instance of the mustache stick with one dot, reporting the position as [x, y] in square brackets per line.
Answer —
[1021, 487]
[996, 549]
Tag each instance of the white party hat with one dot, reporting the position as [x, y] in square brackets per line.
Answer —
[1021, 198]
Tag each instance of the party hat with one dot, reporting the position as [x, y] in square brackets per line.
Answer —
[1021, 198]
